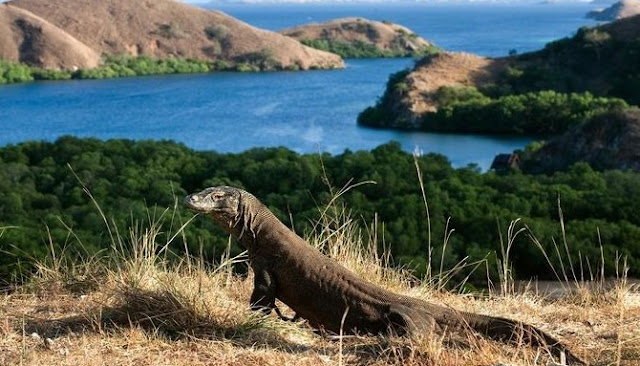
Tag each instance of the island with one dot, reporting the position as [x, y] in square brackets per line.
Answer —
[362, 38]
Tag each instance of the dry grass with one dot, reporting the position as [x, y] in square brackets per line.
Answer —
[131, 307]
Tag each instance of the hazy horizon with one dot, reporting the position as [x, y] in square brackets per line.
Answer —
[384, 2]
[214, 2]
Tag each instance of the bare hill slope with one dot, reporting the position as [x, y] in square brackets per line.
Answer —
[25, 37]
[447, 69]
[164, 28]
[412, 94]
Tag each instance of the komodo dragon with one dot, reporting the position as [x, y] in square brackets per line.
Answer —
[328, 295]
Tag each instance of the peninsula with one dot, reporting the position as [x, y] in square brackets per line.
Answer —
[541, 92]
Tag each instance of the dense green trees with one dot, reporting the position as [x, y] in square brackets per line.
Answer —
[14, 73]
[125, 66]
[135, 181]
[533, 113]
[463, 109]
[603, 60]
[359, 49]
[114, 66]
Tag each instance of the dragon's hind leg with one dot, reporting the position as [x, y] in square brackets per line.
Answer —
[403, 320]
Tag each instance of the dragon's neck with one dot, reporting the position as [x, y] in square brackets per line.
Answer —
[253, 218]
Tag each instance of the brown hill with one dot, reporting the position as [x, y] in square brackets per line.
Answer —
[164, 28]
[446, 69]
[610, 141]
[619, 10]
[387, 37]
[408, 97]
[25, 37]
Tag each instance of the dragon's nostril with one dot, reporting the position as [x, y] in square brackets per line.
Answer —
[190, 199]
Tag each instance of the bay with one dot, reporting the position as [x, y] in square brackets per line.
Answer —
[305, 111]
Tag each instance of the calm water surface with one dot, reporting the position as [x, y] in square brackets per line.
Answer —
[305, 111]
[482, 28]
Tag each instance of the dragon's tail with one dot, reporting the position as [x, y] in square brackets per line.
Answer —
[509, 330]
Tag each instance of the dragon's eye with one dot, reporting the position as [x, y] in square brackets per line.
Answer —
[217, 196]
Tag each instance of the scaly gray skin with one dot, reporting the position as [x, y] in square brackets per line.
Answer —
[320, 290]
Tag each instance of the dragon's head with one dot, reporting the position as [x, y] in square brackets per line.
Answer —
[221, 203]
[238, 212]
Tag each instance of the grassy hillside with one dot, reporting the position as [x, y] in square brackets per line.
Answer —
[130, 306]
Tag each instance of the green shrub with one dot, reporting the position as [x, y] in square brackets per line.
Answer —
[14, 73]
[246, 67]
[217, 32]
[44, 74]
[256, 61]
[220, 65]
[171, 30]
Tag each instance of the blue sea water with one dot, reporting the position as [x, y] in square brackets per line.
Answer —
[305, 111]
[488, 29]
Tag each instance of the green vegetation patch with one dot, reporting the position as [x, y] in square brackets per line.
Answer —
[135, 181]
[464, 109]
[125, 66]
[114, 66]
[359, 49]
[593, 60]
[384, 113]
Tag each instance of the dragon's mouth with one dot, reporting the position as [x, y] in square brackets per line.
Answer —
[195, 203]
[206, 205]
